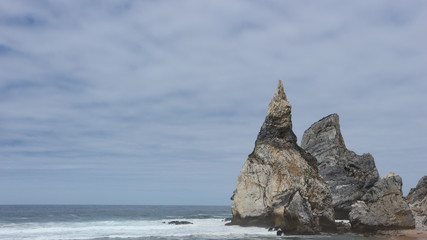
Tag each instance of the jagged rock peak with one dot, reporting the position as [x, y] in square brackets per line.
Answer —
[329, 124]
[277, 127]
[348, 175]
[279, 101]
[279, 107]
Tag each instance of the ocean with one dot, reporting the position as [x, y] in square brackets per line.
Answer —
[102, 222]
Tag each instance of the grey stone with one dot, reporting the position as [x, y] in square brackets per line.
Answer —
[343, 226]
[348, 175]
[417, 199]
[382, 207]
[298, 217]
[180, 222]
[279, 179]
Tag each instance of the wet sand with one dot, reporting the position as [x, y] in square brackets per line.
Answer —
[410, 234]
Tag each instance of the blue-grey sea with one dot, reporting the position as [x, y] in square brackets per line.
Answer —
[101, 222]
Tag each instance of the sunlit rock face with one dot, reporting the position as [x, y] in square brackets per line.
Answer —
[348, 175]
[279, 184]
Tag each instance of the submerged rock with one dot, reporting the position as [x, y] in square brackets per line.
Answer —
[417, 199]
[279, 184]
[180, 222]
[382, 207]
[348, 175]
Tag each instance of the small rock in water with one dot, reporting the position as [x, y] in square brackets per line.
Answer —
[180, 222]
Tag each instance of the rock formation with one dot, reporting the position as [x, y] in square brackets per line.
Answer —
[417, 199]
[279, 185]
[348, 175]
[382, 207]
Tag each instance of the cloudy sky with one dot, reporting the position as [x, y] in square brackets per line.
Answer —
[160, 102]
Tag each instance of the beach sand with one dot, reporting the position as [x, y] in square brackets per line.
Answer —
[410, 234]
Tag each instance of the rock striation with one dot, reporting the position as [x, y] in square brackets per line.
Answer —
[279, 184]
[348, 175]
[382, 207]
[417, 199]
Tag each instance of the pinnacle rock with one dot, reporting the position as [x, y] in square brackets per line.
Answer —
[279, 182]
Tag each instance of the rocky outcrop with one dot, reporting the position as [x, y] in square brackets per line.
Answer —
[417, 199]
[382, 207]
[279, 185]
[348, 175]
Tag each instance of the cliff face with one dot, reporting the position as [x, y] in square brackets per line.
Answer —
[348, 175]
[279, 184]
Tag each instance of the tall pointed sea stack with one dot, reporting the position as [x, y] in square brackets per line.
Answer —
[279, 185]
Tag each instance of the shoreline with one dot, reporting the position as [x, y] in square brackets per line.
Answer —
[405, 234]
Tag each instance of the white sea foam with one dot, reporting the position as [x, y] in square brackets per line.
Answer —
[203, 228]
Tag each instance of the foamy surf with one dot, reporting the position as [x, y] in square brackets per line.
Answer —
[121, 222]
[201, 228]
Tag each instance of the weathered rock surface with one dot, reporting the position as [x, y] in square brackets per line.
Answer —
[382, 207]
[298, 215]
[279, 184]
[417, 199]
[348, 175]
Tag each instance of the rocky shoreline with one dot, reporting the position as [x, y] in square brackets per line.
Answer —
[303, 190]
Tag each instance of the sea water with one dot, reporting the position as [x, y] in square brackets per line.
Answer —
[72, 222]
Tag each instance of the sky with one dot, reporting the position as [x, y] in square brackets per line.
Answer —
[160, 102]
